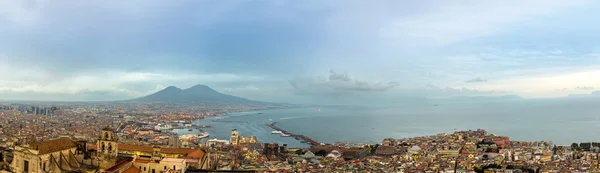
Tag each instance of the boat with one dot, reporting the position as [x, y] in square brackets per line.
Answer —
[204, 135]
[276, 132]
[163, 127]
[285, 135]
[190, 130]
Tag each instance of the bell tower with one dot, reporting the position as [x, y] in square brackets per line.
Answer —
[234, 137]
[108, 148]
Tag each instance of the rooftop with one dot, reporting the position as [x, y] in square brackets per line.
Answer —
[174, 160]
[51, 146]
[119, 165]
[132, 169]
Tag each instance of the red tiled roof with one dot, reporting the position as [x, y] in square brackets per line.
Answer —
[92, 147]
[193, 153]
[51, 146]
[118, 165]
[135, 147]
[142, 161]
[132, 169]
[196, 154]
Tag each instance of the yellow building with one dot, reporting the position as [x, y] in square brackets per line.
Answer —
[146, 159]
[47, 156]
[449, 153]
[236, 139]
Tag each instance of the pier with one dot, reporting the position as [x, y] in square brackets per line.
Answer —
[298, 137]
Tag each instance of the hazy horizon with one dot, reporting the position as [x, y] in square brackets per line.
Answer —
[305, 52]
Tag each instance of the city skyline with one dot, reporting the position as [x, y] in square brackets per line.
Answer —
[298, 51]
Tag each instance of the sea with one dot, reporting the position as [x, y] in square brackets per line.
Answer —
[562, 121]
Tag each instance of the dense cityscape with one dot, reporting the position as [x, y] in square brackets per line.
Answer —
[91, 138]
[299, 86]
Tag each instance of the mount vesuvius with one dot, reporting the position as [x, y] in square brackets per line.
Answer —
[195, 94]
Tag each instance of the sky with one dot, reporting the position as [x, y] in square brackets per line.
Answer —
[307, 51]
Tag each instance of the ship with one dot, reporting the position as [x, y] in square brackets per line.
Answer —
[276, 132]
[163, 127]
[204, 135]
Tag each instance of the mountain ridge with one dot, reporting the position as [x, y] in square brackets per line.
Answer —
[196, 94]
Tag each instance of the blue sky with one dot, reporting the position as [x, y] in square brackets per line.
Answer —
[299, 51]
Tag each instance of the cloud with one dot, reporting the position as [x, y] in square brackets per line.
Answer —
[476, 80]
[134, 47]
[585, 88]
[103, 85]
[594, 94]
[337, 83]
[436, 91]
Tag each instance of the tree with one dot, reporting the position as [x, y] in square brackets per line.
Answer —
[321, 153]
[478, 169]
[510, 167]
[574, 145]
[300, 152]
[495, 166]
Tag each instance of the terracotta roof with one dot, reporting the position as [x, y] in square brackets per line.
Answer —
[118, 165]
[92, 147]
[132, 169]
[51, 146]
[191, 153]
[177, 150]
[135, 147]
[196, 154]
[142, 161]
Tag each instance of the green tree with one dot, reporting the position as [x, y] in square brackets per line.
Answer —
[300, 152]
[574, 145]
[478, 169]
[321, 153]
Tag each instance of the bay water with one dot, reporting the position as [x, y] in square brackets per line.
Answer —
[561, 121]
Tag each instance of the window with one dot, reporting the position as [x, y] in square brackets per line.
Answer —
[145, 169]
[25, 166]
[153, 171]
[165, 167]
[173, 167]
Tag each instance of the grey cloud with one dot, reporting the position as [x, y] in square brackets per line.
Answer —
[594, 94]
[476, 80]
[562, 89]
[585, 88]
[448, 91]
[337, 83]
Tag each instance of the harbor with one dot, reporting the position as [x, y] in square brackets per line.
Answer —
[284, 133]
